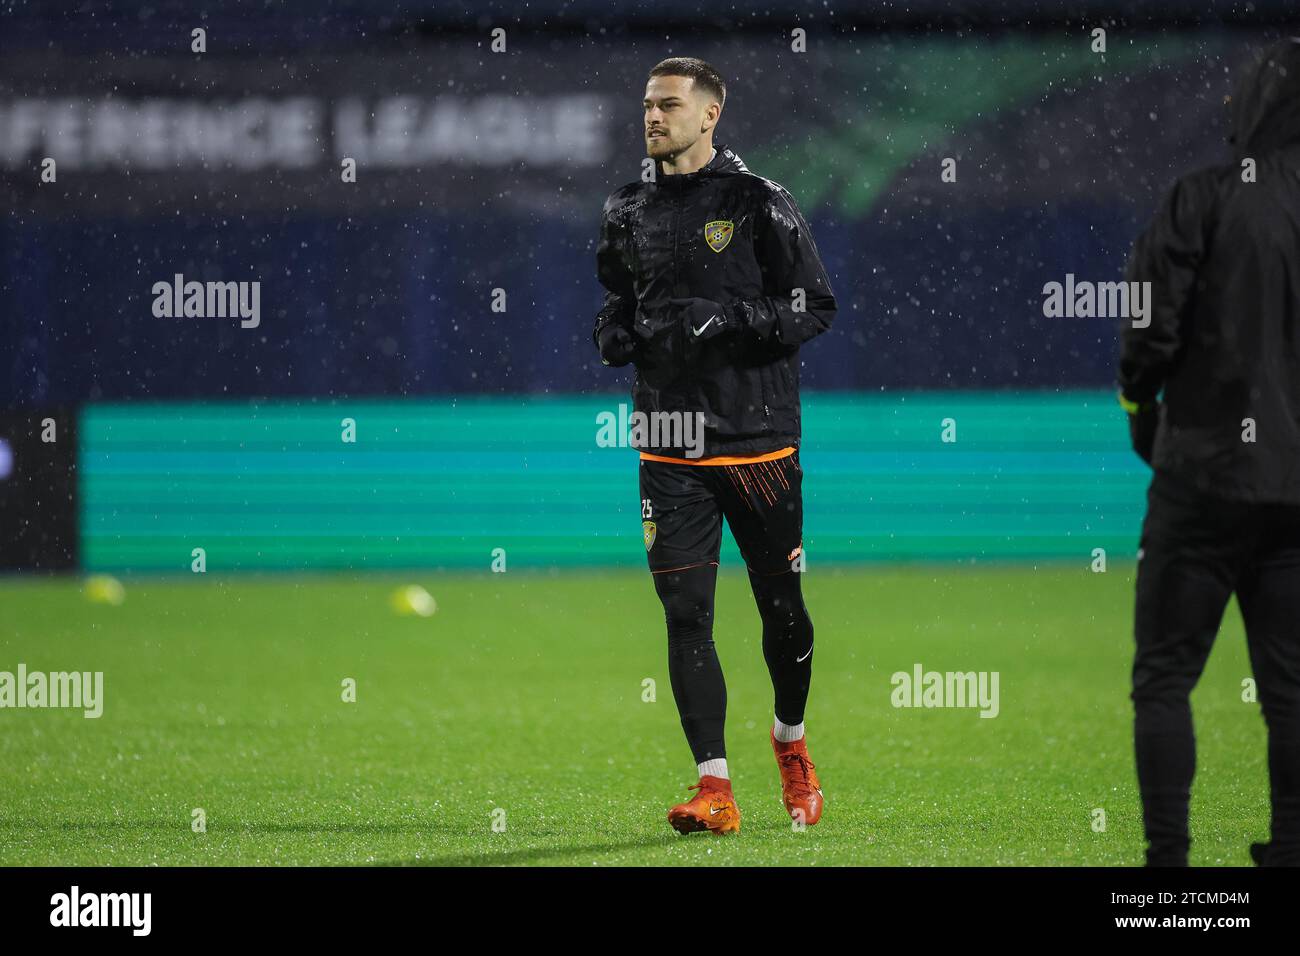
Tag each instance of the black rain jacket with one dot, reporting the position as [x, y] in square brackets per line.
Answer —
[653, 247]
[1223, 259]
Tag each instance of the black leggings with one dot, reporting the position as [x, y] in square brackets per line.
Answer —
[693, 668]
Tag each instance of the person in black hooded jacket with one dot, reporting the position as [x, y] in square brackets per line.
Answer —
[1222, 256]
[712, 283]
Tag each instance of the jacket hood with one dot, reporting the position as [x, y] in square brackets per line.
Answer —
[1266, 104]
[725, 163]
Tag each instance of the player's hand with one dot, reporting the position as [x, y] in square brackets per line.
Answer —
[1142, 425]
[703, 319]
[616, 345]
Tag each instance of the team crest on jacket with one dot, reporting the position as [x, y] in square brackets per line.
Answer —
[648, 529]
[718, 233]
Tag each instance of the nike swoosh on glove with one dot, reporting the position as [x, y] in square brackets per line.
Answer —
[703, 318]
[616, 345]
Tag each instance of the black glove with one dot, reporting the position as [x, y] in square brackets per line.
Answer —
[1142, 425]
[703, 319]
[616, 345]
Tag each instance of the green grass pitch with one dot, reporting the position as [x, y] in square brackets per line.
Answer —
[523, 694]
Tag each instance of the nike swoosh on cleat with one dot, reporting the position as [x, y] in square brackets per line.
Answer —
[704, 326]
[713, 810]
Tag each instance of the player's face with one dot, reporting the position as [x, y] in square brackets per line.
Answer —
[675, 115]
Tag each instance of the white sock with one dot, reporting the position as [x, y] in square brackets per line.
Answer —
[788, 733]
[716, 767]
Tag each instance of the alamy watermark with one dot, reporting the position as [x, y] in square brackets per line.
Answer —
[922, 688]
[130, 910]
[208, 300]
[666, 430]
[1100, 300]
[79, 690]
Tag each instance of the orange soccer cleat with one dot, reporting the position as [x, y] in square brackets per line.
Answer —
[801, 791]
[713, 808]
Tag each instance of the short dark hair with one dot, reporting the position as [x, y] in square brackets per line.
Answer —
[705, 76]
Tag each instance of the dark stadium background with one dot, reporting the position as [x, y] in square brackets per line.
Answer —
[380, 291]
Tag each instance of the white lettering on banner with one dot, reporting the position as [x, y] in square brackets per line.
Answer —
[255, 133]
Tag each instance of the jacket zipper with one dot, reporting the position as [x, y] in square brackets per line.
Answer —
[677, 206]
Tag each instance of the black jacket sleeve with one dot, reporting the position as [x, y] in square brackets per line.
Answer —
[1167, 254]
[613, 272]
[788, 258]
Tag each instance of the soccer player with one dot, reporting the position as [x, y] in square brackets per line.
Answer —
[1223, 509]
[712, 283]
